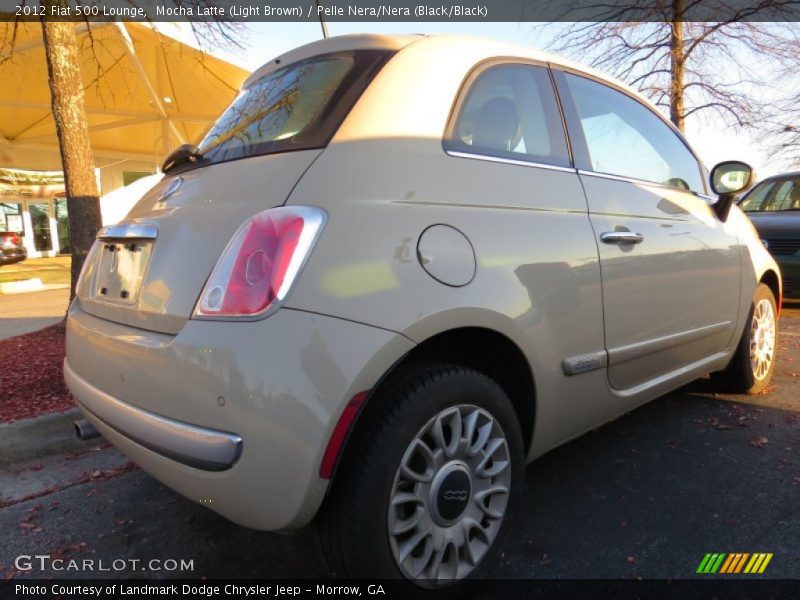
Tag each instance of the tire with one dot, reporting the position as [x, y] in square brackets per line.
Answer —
[753, 364]
[390, 480]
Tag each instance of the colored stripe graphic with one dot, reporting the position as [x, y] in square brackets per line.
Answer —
[722, 563]
[711, 563]
[727, 564]
[765, 563]
[703, 563]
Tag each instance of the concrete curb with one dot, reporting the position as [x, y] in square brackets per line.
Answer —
[40, 436]
[22, 287]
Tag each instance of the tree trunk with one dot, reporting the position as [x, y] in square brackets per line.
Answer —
[677, 112]
[66, 90]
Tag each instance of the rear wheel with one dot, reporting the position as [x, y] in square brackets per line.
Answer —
[753, 364]
[429, 490]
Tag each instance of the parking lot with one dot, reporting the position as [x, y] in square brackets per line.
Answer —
[645, 496]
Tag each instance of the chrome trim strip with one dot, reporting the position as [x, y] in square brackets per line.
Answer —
[623, 354]
[510, 161]
[617, 178]
[585, 363]
[639, 181]
[191, 445]
[125, 231]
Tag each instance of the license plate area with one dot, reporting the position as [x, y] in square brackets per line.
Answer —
[120, 270]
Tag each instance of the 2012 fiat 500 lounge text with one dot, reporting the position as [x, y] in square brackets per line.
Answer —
[395, 270]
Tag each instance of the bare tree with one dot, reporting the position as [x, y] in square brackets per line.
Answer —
[686, 66]
[784, 128]
[69, 114]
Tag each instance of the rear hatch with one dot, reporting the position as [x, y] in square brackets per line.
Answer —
[149, 271]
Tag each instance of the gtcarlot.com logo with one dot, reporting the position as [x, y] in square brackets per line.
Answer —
[736, 562]
[44, 562]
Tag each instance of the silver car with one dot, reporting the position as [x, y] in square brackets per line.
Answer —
[395, 270]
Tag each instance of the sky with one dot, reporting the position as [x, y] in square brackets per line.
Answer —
[711, 139]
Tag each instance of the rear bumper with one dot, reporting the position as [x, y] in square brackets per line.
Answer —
[185, 443]
[235, 416]
[12, 255]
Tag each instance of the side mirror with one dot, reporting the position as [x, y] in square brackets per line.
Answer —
[728, 179]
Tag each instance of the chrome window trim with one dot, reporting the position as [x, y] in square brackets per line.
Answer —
[140, 231]
[510, 161]
[644, 181]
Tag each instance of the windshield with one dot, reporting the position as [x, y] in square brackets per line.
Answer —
[773, 196]
[297, 107]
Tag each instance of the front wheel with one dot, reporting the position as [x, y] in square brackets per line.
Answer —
[753, 364]
[429, 490]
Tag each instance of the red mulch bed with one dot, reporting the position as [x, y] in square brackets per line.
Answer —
[31, 377]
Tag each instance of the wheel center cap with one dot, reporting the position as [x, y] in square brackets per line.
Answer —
[450, 493]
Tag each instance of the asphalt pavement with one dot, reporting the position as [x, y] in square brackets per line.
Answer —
[646, 496]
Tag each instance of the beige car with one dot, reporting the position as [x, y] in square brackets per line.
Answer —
[397, 269]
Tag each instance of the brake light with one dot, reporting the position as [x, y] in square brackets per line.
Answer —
[10, 239]
[261, 262]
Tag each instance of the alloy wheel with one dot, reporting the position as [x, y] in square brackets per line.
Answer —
[762, 339]
[449, 496]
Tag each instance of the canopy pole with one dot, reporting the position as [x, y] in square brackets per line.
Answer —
[140, 70]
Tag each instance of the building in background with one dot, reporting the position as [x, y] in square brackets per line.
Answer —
[148, 89]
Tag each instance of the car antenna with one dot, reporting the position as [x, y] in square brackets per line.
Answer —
[321, 21]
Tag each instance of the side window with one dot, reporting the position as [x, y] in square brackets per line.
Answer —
[779, 195]
[786, 197]
[625, 138]
[755, 200]
[510, 111]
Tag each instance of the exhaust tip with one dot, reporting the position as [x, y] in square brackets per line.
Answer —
[85, 430]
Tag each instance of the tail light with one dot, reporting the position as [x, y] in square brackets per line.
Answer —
[10, 239]
[261, 262]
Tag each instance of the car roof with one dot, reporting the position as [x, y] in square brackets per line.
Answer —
[439, 44]
[340, 43]
[780, 176]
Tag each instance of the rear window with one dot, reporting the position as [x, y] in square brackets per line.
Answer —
[297, 107]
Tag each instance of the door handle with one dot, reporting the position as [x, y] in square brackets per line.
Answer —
[621, 237]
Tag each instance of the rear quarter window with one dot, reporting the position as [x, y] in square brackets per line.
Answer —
[510, 111]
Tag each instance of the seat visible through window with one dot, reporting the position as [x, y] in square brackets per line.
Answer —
[510, 111]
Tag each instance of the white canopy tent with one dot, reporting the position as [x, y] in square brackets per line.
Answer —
[148, 88]
[146, 92]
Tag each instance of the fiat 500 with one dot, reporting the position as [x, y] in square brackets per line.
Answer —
[395, 270]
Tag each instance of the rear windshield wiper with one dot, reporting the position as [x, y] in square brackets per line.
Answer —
[181, 155]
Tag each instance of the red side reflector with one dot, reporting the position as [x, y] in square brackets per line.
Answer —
[339, 434]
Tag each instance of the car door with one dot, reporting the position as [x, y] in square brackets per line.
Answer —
[670, 270]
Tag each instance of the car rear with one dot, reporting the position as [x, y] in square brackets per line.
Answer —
[774, 209]
[179, 347]
[11, 248]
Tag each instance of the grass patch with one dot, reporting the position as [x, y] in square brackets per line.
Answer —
[49, 270]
